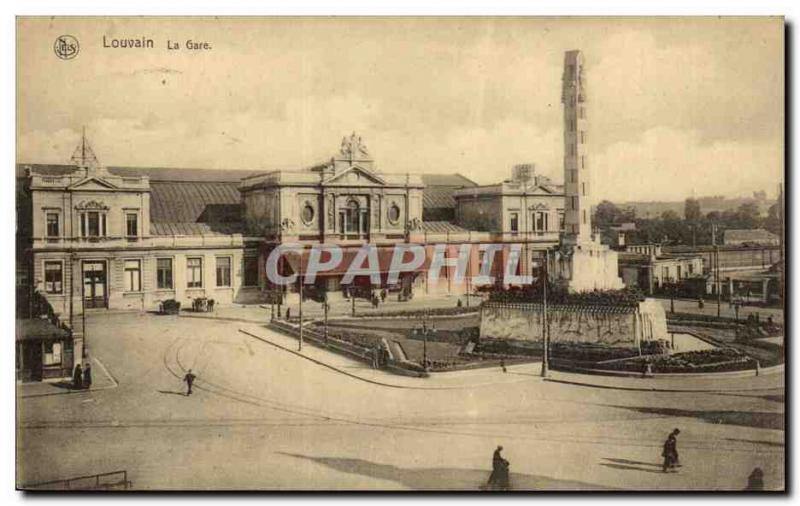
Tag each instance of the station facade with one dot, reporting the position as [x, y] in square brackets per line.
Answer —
[94, 237]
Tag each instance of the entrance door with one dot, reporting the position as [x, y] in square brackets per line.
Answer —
[32, 361]
[94, 284]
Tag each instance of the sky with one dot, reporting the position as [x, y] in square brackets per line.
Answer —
[676, 106]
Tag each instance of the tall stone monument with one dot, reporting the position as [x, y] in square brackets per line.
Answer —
[582, 262]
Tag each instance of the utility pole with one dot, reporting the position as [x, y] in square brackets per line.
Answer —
[352, 301]
[781, 266]
[300, 343]
[718, 282]
[425, 349]
[545, 329]
[83, 313]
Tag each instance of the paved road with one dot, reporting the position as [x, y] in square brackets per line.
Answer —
[726, 310]
[265, 418]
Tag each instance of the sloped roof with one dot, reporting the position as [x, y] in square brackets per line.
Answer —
[38, 328]
[442, 227]
[154, 173]
[749, 235]
[192, 202]
[167, 228]
[447, 180]
[439, 188]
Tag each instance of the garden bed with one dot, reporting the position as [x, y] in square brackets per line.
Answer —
[440, 311]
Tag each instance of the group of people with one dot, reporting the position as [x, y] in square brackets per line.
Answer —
[82, 377]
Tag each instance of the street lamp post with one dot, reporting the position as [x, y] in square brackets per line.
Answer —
[673, 288]
[300, 312]
[545, 330]
[325, 312]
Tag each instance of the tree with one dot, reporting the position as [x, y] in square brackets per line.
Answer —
[691, 210]
[773, 221]
[606, 214]
[747, 215]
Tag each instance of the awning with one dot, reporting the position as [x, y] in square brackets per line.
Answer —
[37, 329]
[299, 262]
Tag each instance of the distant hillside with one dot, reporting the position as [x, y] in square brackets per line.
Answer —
[707, 204]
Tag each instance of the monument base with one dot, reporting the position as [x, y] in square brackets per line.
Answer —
[587, 266]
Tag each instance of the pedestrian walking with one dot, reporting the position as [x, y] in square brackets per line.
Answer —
[756, 480]
[499, 479]
[288, 313]
[670, 452]
[77, 378]
[503, 365]
[87, 376]
[189, 379]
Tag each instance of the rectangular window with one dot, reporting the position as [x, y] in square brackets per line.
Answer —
[690, 268]
[581, 112]
[561, 220]
[514, 223]
[540, 221]
[223, 271]
[194, 272]
[52, 225]
[583, 162]
[132, 224]
[53, 277]
[583, 216]
[665, 273]
[133, 275]
[52, 353]
[583, 137]
[93, 224]
[164, 273]
[251, 271]
[678, 275]
[583, 189]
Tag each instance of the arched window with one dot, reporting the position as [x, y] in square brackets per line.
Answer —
[352, 218]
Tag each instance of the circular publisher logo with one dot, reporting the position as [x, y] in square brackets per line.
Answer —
[66, 47]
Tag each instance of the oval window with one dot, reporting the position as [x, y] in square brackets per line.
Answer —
[308, 214]
[394, 213]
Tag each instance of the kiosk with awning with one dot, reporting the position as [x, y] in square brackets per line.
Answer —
[44, 350]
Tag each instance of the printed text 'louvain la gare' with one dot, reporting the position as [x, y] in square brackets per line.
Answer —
[148, 43]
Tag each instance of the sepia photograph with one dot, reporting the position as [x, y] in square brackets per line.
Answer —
[453, 254]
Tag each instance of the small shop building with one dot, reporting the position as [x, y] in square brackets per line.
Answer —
[45, 350]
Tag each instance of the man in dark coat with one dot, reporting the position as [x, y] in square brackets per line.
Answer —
[756, 480]
[189, 379]
[87, 376]
[77, 378]
[670, 452]
[498, 480]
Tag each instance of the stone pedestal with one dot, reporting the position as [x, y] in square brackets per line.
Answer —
[586, 266]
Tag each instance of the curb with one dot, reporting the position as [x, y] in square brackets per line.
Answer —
[654, 388]
[361, 378]
[111, 377]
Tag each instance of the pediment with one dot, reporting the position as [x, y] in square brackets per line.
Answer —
[355, 176]
[542, 190]
[93, 183]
